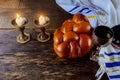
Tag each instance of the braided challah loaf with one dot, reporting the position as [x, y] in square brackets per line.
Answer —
[73, 39]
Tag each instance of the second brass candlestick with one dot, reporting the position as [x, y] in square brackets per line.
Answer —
[43, 36]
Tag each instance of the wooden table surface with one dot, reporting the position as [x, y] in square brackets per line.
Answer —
[38, 61]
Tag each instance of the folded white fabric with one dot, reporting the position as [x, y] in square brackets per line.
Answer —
[97, 14]
[108, 7]
[109, 58]
[74, 6]
[116, 4]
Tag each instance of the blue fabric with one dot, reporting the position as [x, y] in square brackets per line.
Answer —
[112, 53]
[85, 9]
[74, 8]
[114, 76]
[112, 64]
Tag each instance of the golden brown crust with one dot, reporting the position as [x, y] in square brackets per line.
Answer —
[73, 38]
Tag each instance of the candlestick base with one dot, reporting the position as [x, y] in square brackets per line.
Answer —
[44, 38]
[24, 39]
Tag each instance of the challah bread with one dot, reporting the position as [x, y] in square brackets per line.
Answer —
[74, 38]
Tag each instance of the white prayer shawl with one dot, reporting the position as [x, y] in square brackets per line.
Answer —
[92, 9]
[109, 61]
[116, 4]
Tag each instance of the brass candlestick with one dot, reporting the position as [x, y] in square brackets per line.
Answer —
[43, 36]
[22, 37]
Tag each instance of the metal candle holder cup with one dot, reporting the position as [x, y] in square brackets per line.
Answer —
[102, 37]
[43, 36]
[22, 37]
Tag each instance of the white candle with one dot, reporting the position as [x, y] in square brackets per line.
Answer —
[20, 20]
[42, 20]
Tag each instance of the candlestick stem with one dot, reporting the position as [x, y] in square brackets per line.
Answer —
[43, 36]
[22, 37]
